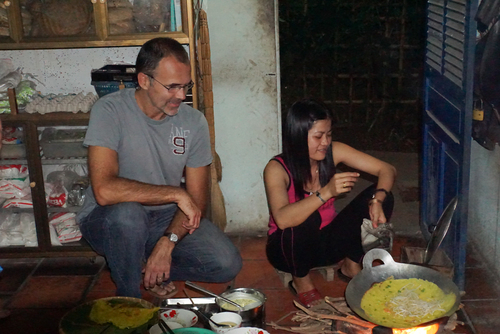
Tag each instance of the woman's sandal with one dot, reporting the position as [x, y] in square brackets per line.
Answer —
[162, 286]
[343, 277]
[308, 298]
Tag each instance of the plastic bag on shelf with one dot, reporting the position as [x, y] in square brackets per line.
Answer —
[25, 90]
[11, 226]
[13, 171]
[12, 135]
[11, 80]
[66, 227]
[58, 196]
[54, 240]
[6, 66]
[64, 177]
[14, 181]
[14, 78]
[18, 203]
[28, 227]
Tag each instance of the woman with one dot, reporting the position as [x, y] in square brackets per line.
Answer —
[301, 187]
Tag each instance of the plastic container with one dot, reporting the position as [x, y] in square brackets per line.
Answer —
[114, 73]
[105, 87]
[110, 78]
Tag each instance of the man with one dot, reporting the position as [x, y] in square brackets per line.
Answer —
[140, 142]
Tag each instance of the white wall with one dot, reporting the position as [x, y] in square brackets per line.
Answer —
[66, 71]
[484, 203]
[244, 67]
[247, 121]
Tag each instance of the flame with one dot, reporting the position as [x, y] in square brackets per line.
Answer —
[431, 329]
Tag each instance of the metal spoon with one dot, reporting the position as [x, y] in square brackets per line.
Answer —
[188, 283]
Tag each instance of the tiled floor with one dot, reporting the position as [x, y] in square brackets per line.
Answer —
[39, 292]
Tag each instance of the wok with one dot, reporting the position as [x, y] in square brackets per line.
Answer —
[370, 274]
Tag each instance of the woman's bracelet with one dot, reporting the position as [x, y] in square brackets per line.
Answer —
[374, 200]
[380, 190]
[319, 196]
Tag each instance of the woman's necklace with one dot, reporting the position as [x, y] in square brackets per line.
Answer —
[314, 185]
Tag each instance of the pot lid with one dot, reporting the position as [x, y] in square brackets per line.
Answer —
[440, 231]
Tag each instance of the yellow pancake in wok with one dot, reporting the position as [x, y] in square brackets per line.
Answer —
[402, 303]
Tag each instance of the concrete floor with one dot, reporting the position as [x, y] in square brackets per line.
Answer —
[405, 218]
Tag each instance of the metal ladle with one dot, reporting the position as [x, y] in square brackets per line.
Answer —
[197, 287]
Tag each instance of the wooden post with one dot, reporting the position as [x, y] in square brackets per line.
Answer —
[11, 92]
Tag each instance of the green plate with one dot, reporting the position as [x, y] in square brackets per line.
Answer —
[192, 330]
[77, 320]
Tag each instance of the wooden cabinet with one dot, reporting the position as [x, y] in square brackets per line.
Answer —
[60, 24]
[56, 24]
[31, 124]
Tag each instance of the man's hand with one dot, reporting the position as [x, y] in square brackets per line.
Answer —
[192, 213]
[157, 269]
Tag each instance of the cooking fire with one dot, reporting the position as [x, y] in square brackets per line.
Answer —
[334, 316]
[431, 329]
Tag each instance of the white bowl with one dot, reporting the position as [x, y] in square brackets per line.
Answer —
[155, 329]
[225, 318]
[248, 330]
[179, 318]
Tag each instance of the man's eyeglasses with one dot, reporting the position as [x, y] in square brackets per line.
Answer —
[174, 88]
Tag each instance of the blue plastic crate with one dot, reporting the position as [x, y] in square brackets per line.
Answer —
[105, 87]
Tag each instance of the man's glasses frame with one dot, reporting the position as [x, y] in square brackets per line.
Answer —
[175, 87]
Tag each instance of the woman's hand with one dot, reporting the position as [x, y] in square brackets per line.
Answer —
[376, 213]
[342, 183]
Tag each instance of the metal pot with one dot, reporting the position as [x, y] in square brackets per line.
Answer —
[363, 281]
[255, 316]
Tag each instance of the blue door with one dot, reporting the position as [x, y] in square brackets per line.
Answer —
[447, 121]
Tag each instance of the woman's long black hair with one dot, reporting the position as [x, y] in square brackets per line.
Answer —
[299, 120]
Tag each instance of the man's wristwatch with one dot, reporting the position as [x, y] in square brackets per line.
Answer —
[172, 237]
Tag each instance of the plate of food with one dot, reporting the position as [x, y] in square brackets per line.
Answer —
[112, 315]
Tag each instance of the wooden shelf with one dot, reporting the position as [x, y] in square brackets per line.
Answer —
[30, 124]
[53, 119]
[100, 38]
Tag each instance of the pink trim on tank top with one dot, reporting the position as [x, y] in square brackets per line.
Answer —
[326, 211]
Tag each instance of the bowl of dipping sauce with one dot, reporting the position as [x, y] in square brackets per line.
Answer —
[230, 319]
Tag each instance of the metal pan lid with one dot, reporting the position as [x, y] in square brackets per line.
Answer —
[440, 231]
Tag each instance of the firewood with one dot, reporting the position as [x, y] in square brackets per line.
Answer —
[350, 319]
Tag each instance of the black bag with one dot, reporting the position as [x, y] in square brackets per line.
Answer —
[486, 128]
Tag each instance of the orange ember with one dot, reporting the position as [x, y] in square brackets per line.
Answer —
[431, 329]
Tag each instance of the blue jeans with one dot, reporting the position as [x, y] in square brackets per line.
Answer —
[126, 233]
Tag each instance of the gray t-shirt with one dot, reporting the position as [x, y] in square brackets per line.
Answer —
[149, 151]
